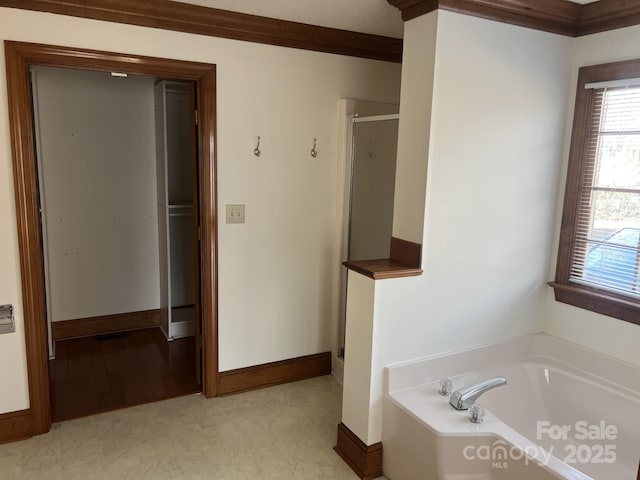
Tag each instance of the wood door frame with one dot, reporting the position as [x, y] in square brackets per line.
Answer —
[19, 57]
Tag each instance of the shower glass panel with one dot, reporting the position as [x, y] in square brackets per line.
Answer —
[373, 173]
[372, 179]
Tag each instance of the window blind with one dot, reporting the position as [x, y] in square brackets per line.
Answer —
[606, 249]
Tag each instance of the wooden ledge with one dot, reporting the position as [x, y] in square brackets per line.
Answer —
[383, 268]
[599, 301]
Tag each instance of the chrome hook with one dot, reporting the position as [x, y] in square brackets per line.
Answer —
[314, 152]
[256, 151]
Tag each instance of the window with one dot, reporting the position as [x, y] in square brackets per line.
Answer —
[599, 253]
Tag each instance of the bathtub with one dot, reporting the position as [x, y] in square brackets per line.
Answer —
[566, 413]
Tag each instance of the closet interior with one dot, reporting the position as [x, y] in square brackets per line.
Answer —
[117, 168]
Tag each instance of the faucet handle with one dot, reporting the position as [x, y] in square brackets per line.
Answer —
[476, 413]
[446, 387]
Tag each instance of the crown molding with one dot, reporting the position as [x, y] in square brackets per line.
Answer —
[608, 15]
[556, 16]
[183, 17]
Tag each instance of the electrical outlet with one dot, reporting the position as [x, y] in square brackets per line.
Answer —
[235, 213]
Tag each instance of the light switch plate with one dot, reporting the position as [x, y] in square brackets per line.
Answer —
[235, 213]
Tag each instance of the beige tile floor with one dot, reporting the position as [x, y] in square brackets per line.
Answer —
[283, 432]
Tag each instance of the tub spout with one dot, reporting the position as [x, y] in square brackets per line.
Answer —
[463, 398]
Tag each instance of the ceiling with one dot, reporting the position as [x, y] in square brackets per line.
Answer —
[367, 16]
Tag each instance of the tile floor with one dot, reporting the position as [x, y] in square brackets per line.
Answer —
[283, 432]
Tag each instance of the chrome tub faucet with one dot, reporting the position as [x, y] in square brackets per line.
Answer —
[463, 398]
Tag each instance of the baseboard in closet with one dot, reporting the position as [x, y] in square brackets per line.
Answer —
[121, 322]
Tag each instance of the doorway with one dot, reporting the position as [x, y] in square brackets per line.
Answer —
[116, 164]
[20, 57]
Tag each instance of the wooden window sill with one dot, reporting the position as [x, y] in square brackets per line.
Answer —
[382, 268]
[599, 301]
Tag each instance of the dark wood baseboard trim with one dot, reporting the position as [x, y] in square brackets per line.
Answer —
[87, 327]
[555, 16]
[406, 252]
[183, 17]
[15, 426]
[275, 373]
[365, 460]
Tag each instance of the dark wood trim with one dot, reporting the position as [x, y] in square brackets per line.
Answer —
[15, 426]
[90, 326]
[275, 373]
[29, 235]
[555, 16]
[382, 269]
[406, 252]
[598, 301]
[608, 15]
[365, 460]
[579, 139]
[213, 22]
[405, 260]
[414, 8]
[19, 57]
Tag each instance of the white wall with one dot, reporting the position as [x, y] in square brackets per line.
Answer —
[496, 138]
[604, 334]
[276, 270]
[418, 62]
[356, 405]
[97, 150]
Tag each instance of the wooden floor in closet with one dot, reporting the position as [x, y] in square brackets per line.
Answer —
[108, 372]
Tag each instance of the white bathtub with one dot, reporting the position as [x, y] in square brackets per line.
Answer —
[557, 394]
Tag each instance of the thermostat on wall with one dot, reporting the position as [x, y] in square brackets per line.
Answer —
[7, 323]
